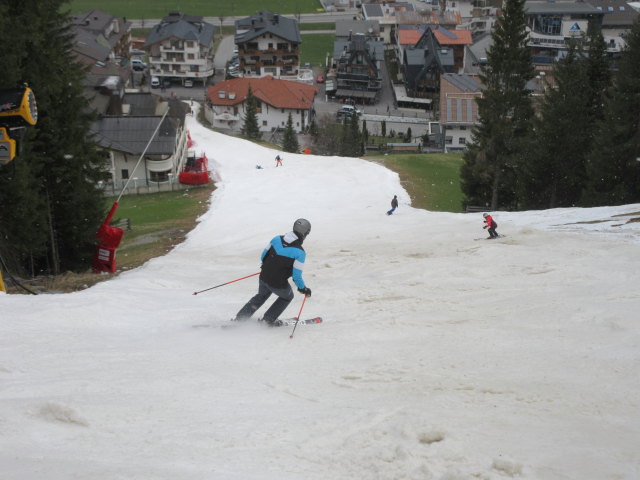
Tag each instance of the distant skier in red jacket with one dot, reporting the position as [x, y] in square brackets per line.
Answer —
[491, 225]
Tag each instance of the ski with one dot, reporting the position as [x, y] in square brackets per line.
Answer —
[287, 322]
[290, 322]
[489, 238]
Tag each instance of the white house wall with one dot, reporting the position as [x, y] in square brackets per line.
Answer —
[164, 59]
[269, 118]
[121, 161]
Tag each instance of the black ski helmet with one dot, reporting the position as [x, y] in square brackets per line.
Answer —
[302, 227]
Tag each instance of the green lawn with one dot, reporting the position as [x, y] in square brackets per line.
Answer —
[206, 8]
[432, 180]
[314, 48]
[158, 222]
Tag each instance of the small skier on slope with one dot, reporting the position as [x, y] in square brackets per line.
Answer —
[394, 205]
[283, 258]
[491, 225]
[278, 161]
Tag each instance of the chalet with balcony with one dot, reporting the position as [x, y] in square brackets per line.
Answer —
[357, 63]
[181, 48]
[268, 44]
[225, 106]
[125, 137]
[423, 65]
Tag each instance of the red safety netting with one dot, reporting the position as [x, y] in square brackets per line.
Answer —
[195, 171]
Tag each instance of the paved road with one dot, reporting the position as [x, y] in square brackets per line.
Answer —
[227, 21]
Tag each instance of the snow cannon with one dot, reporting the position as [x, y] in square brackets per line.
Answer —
[18, 109]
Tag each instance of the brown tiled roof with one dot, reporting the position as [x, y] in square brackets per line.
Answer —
[277, 93]
[453, 37]
[409, 37]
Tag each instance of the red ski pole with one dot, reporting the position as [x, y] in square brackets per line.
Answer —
[227, 283]
[298, 318]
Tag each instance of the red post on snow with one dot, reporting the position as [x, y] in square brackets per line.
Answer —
[109, 238]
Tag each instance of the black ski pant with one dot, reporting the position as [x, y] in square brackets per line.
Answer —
[492, 232]
[285, 295]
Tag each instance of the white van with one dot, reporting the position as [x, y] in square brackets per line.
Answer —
[155, 82]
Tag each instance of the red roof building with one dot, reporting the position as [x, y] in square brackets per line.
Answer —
[226, 102]
[456, 40]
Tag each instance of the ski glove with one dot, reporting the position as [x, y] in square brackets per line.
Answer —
[306, 291]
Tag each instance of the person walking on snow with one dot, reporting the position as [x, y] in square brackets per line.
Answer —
[394, 205]
[283, 258]
[278, 161]
[491, 225]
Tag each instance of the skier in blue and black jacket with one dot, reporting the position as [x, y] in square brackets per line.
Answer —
[283, 258]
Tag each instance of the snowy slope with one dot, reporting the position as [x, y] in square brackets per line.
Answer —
[440, 357]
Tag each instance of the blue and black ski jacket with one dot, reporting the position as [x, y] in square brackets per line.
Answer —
[283, 258]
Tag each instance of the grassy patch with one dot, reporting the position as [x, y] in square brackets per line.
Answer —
[432, 180]
[206, 8]
[159, 221]
[314, 48]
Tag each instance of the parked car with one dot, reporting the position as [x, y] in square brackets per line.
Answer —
[188, 83]
[320, 79]
[137, 64]
[155, 82]
[348, 110]
[166, 82]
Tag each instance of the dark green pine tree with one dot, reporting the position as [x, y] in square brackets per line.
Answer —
[598, 73]
[60, 155]
[365, 132]
[290, 141]
[313, 130]
[250, 128]
[488, 174]
[356, 148]
[552, 171]
[345, 141]
[21, 216]
[613, 167]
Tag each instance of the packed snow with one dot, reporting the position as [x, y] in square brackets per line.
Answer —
[441, 355]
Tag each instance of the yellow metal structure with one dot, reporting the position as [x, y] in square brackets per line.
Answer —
[2, 289]
[7, 147]
[18, 107]
[18, 110]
